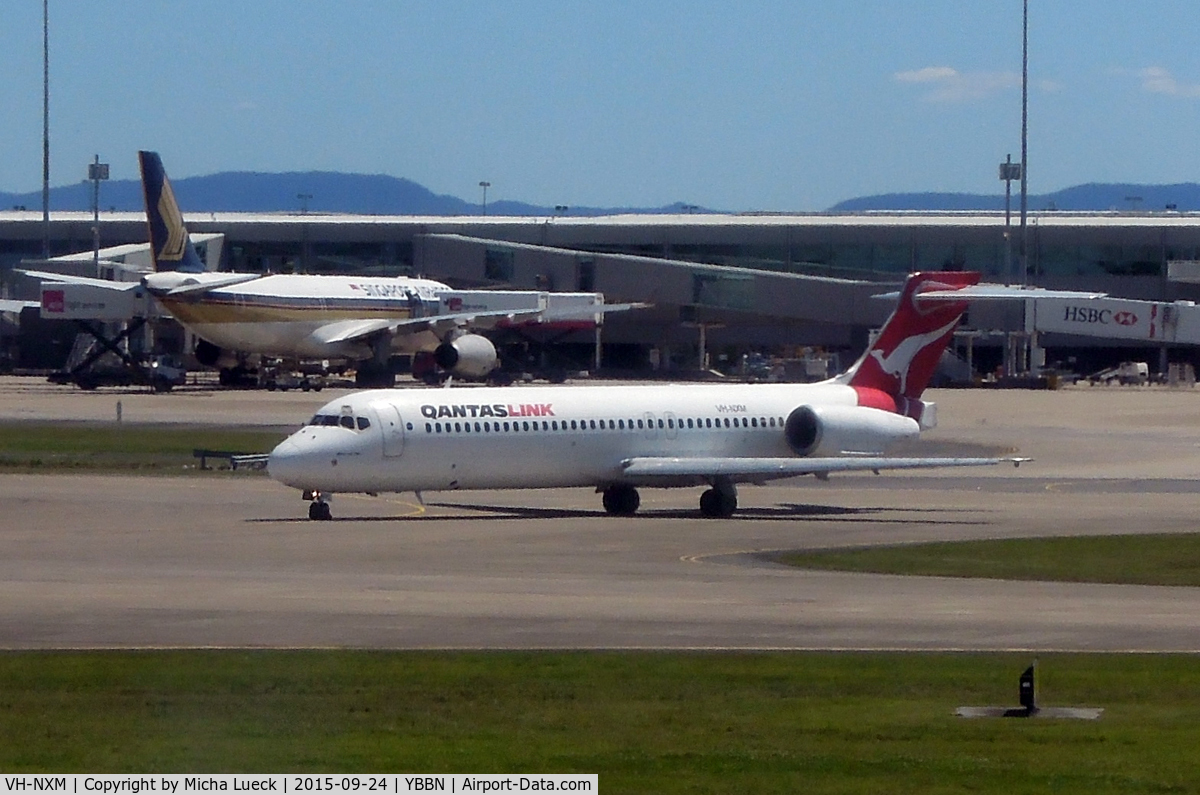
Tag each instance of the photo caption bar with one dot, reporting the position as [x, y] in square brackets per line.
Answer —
[292, 783]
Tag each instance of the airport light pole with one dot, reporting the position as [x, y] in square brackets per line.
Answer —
[45, 129]
[96, 172]
[485, 185]
[1008, 172]
[1024, 140]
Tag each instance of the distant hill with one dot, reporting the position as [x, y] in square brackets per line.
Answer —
[377, 194]
[245, 191]
[1094, 196]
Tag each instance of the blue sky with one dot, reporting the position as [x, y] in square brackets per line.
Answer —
[787, 105]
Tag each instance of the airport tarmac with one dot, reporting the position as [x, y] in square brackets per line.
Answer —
[122, 561]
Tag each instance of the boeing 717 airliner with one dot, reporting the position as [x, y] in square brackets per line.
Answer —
[619, 438]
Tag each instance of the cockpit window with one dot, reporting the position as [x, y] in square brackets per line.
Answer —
[345, 421]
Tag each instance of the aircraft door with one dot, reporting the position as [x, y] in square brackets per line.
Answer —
[672, 429]
[392, 428]
[651, 428]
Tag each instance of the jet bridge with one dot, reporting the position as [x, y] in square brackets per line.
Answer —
[111, 315]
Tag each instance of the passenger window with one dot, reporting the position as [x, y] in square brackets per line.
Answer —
[660, 423]
[670, 423]
[525, 426]
[641, 426]
[437, 427]
[621, 424]
[477, 427]
[726, 422]
[428, 428]
[506, 425]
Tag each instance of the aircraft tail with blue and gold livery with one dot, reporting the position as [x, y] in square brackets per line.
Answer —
[170, 246]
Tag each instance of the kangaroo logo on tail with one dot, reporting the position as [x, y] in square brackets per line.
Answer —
[898, 363]
[902, 360]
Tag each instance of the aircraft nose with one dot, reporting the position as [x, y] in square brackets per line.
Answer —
[286, 463]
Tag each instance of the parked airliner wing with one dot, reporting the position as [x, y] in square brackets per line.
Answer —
[645, 469]
[351, 330]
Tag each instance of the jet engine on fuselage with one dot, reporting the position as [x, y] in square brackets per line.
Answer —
[836, 430]
[211, 355]
[467, 356]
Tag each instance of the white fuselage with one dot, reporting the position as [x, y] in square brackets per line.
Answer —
[277, 315]
[535, 437]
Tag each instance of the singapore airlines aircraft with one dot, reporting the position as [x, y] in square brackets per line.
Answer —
[619, 438]
[359, 318]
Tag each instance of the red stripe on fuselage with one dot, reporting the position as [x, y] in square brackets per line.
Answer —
[874, 398]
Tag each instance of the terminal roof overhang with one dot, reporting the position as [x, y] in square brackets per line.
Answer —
[14, 220]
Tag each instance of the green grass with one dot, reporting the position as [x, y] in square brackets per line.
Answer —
[111, 447]
[1165, 559]
[645, 722]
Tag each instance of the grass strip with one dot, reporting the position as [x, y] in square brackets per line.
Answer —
[111, 447]
[1160, 559]
[646, 722]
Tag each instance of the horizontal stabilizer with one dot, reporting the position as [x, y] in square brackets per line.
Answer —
[65, 278]
[7, 305]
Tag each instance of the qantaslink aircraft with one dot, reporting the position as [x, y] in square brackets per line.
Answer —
[617, 439]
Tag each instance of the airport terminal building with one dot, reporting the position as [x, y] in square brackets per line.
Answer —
[750, 281]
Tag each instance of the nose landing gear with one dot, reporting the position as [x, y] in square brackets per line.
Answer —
[319, 509]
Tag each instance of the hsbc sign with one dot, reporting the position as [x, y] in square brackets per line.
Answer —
[1074, 313]
[1114, 318]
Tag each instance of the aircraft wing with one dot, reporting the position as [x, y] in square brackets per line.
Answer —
[702, 470]
[8, 305]
[352, 330]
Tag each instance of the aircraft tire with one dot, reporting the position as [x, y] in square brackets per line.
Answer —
[319, 511]
[718, 504]
[621, 500]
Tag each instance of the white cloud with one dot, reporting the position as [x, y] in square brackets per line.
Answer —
[930, 74]
[947, 84]
[1157, 80]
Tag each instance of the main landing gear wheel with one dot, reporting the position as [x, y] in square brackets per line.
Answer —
[717, 503]
[319, 511]
[621, 500]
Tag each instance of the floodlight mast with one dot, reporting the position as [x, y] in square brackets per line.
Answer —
[1024, 140]
[96, 172]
